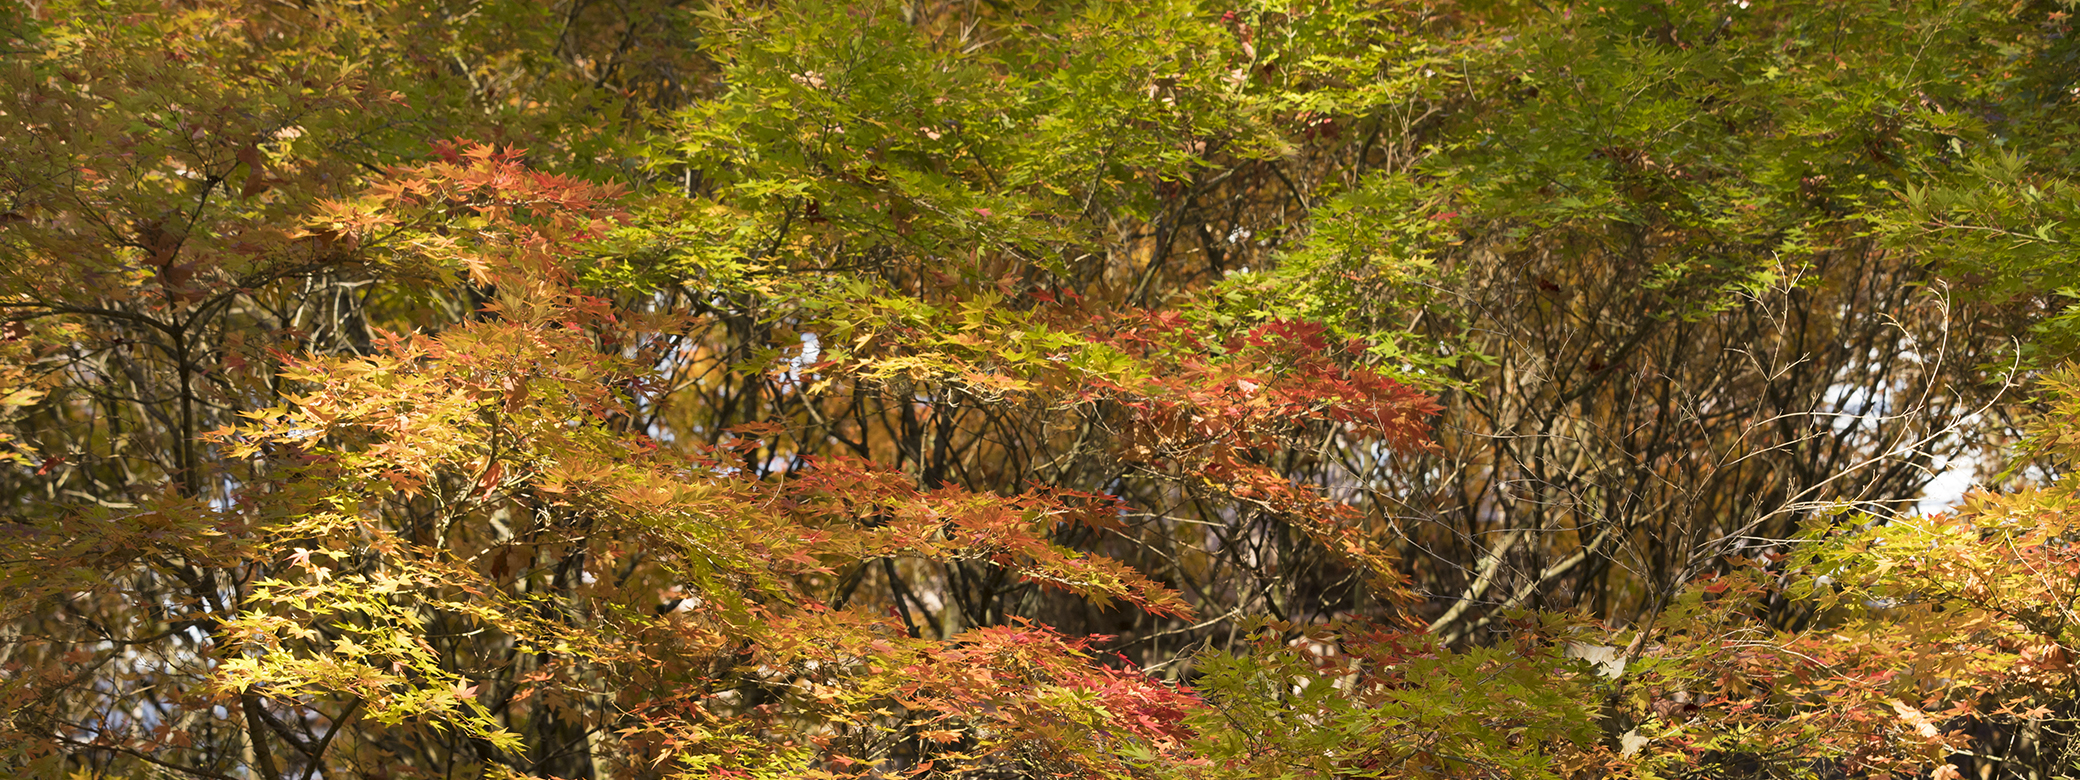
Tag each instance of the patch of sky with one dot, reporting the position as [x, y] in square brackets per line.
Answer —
[1954, 477]
[812, 350]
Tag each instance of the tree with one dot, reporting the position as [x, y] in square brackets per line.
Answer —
[990, 389]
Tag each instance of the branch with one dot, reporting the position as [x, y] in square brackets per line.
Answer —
[318, 754]
[192, 772]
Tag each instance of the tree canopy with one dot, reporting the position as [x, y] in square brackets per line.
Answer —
[999, 388]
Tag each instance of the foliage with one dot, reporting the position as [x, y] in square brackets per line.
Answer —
[1335, 388]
